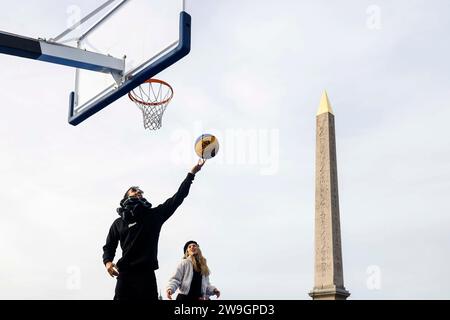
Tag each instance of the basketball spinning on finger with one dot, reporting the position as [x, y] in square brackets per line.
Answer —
[206, 146]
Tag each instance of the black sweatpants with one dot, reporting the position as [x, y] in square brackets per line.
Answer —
[136, 286]
[185, 297]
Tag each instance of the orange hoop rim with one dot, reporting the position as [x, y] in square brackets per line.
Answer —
[136, 99]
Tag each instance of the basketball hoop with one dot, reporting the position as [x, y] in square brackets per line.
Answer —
[152, 98]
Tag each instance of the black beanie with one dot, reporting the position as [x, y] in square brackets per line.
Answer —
[187, 245]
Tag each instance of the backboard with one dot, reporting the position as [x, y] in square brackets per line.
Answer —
[114, 48]
[149, 35]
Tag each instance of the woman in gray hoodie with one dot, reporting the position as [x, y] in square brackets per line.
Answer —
[192, 276]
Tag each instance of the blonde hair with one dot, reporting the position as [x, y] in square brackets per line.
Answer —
[198, 262]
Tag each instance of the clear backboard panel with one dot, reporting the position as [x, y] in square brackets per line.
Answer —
[140, 32]
[119, 44]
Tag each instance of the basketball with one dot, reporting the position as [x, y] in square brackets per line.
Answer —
[206, 146]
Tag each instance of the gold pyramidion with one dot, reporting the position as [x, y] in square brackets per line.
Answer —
[325, 105]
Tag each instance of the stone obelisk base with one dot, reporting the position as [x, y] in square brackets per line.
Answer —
[331, 293]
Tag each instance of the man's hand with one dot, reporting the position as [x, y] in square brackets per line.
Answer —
[111, 268]
[198, 166]
[169, 294]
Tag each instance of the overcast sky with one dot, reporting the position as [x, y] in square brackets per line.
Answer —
[254, 78]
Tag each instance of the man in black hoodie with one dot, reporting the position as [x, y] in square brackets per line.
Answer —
[138, 230]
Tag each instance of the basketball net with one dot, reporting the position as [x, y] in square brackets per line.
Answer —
[152, 98]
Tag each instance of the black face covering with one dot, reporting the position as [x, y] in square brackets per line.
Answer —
[132, 208]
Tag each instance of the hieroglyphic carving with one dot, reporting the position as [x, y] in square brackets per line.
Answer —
[323, 248]
[329, 280]
[337, 249]
[328, 242]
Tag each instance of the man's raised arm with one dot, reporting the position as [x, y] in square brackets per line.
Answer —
[170, 205]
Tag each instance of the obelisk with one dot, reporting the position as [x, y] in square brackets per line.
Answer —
[329, 276]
